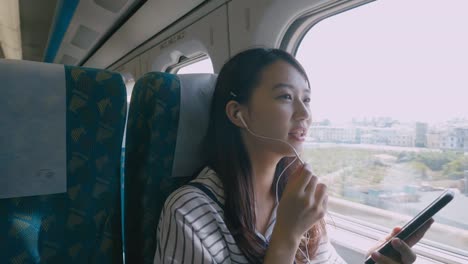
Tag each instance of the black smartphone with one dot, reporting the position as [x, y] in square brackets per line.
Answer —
[413, 225]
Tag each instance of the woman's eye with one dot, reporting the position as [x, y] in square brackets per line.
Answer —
[286, 96]
[307, 100]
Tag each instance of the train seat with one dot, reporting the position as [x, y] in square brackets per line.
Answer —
[167, 121]
[69, 122]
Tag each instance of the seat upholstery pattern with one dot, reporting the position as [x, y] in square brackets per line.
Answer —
[150, 145]
[82, 225]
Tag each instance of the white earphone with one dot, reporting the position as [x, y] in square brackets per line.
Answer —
[239, 115]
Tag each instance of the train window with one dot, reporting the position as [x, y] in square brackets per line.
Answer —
[199, 65]
[390, 122]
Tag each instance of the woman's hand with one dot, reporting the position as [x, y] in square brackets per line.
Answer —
[404, 248]
[303, 203]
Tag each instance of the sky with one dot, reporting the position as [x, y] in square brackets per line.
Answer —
[204, 66]
[405, 59]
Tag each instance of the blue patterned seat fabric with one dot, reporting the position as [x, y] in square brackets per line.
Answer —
[150, 144]
[82, 225]
[154, 167]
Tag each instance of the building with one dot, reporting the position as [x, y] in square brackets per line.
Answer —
[364, 135]
[434, 139]
[421, 135]
[334, 134]
[402, 138]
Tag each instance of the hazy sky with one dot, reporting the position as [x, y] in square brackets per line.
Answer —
[407, 59]
[204, 66]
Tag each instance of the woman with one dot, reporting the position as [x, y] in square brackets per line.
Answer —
[247, 206]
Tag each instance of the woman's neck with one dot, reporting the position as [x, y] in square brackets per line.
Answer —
[263, 172]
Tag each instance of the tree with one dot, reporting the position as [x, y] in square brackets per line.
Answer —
[456, 169]
[436, 160]
[421, 169]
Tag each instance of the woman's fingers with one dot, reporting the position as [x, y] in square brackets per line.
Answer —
[395, 230]
[302, 177]
[407, 255]
[311, 186]
[414, 238]
[296, 175]
[307, 180]
[325, 202]
[303, 202]
[320, 194]
[381, 259]
[391, 235]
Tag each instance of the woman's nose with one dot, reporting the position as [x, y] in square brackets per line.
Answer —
[302, 111]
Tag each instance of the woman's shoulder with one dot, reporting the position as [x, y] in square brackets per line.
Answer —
[208, 177]
[205, 190]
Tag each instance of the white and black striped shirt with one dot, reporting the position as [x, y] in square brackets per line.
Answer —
[192, 229]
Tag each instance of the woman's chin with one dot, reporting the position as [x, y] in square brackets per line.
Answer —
[298, 146]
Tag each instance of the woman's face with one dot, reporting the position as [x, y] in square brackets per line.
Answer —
[279, 108]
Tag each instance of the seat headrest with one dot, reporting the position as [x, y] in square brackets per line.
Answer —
[33, 123]
[196, 91]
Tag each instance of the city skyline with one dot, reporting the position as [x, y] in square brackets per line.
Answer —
[369, 119]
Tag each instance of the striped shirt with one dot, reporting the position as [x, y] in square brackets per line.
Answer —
[192, 229]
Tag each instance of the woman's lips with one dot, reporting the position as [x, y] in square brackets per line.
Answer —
[297, 136]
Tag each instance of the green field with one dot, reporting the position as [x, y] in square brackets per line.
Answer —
[385, 169]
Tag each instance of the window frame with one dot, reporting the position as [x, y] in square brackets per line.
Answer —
[295, 33]
[186, 61]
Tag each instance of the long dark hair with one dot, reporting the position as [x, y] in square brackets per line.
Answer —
[227, 155]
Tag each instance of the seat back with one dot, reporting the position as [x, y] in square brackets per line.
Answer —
[167, 121]
[82, 222]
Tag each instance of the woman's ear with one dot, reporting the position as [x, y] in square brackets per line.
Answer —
[233, 112]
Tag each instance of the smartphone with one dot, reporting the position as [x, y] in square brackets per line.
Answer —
[413, 225]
